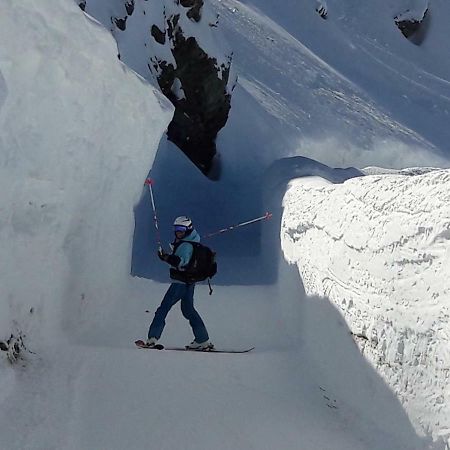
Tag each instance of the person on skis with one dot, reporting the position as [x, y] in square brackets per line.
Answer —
[181, 288]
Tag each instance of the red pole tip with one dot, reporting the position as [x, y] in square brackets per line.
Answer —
[148, 181]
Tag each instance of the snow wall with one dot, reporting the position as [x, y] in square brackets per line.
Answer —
[379, 248]
[78, 132]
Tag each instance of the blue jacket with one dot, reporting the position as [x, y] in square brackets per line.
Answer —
[184, 250]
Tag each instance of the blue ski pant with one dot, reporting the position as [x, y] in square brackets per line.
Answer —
[185, 293]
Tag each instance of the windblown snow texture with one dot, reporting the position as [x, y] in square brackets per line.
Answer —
[379, 247]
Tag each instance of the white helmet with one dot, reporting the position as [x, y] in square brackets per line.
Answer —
[183, 222]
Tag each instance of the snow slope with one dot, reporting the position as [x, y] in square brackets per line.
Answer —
[345, 91]
[306, 385]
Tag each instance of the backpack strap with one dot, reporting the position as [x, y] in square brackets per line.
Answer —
[175, 247]
[181, 241]
[210, 288]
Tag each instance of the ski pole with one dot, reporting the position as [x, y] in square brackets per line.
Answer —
[266, 216]
[149, 183]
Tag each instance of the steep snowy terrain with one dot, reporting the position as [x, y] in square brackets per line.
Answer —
[378, 247]
[180, 47]
[79, 132]
[349, 90]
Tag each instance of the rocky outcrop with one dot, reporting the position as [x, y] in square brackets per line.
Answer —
[197, 86]
[322, 9]
[192, 72]
[121, 22]
[413, 25]
[195, 8]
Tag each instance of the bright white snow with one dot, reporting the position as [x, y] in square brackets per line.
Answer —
[379, 248]
[79, 132]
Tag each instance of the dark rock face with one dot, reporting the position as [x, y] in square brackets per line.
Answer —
[203, 108]
[120, 18]
[158, 35]
[322, 10]
[195, 7]
[121, 23]
[195, 82]
[129, 6]
[413, 29]
[197, 87]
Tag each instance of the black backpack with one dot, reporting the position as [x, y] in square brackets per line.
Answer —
[201, 266]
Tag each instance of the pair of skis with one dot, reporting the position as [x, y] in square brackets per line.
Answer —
[141, 344]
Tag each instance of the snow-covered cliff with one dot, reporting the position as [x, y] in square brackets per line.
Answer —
[73, 158]
[379, 248]
[178, 44]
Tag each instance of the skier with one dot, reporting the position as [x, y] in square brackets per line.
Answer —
[181, 289]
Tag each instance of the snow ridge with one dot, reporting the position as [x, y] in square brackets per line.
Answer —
[379, 247]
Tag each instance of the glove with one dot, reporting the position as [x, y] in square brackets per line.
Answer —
[162, 256]
[173, 260]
